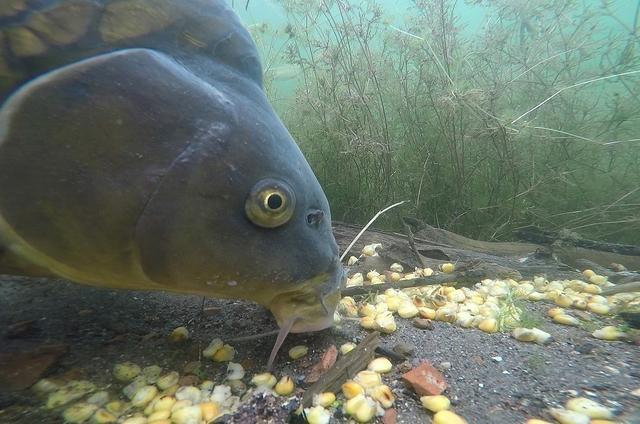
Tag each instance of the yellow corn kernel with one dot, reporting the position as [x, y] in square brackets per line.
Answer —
[380, 365]
[488, 325]
[298, 352]
[435, 403]
[285, 386]
[448, 417]
[351, 389]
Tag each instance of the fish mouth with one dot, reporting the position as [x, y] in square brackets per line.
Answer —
[310, 307]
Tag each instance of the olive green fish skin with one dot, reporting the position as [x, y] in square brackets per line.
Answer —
[129, 143]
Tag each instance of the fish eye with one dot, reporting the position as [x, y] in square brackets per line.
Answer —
[270, 203]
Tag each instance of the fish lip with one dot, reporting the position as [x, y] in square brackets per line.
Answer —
[315, 316]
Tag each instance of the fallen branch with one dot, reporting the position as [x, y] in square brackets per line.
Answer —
[545, 237]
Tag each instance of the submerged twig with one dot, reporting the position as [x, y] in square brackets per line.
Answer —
[253, 336]
[573, 86]
[412, 243]
[344, 254]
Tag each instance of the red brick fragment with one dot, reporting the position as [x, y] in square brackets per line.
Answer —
[390, 416]
[425, 380]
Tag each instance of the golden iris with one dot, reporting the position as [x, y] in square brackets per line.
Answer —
[270, 203]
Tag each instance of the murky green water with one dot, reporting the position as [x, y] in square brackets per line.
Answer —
[486, 115]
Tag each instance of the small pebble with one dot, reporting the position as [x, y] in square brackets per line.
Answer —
[404, 349]
[422, 323]
[192, 367]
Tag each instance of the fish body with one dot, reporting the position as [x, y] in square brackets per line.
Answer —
[138, 151]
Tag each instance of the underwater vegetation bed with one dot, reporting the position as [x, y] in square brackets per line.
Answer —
[532, 118]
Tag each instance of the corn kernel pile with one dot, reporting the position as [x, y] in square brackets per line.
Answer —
[149, 396]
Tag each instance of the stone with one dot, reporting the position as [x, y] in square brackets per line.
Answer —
[423, 323]
[404, 349]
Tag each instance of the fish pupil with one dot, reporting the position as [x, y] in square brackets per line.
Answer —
[274, 202]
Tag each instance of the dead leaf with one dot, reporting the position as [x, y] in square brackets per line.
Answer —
[19, 370]
[328, 359]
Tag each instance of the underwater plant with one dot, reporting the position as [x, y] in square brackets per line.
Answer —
[531, 119]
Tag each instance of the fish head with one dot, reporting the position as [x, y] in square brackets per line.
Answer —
[241, 214]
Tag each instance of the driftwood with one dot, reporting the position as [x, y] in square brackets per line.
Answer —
[540, 236]
[426, 246]
[345, 368]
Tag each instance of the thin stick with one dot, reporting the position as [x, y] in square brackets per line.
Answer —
[572, 86]
[444, 71]
[545, 60]
[253, 336]
[368, 225]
